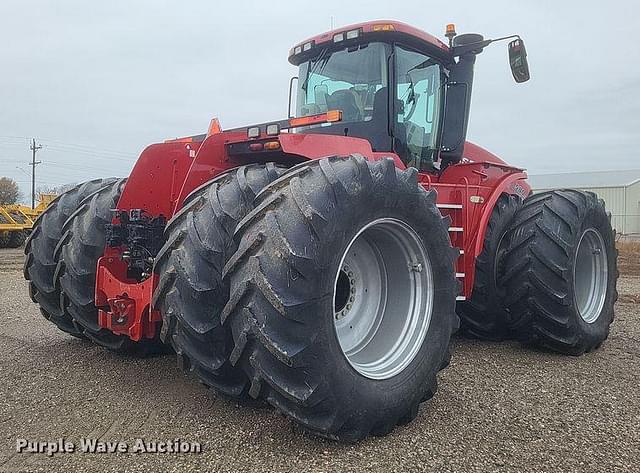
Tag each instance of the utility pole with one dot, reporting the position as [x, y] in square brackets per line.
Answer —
[34, 148]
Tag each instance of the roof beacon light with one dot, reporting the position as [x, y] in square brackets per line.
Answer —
[307, 46]
[338, 37]
[451, 33]
[297, 50]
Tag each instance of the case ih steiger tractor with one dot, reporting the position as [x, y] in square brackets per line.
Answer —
[321, 263]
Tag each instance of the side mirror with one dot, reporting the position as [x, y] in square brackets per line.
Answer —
[518, 61]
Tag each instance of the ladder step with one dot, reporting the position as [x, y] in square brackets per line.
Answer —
[459, 275]
[449, 206]
[461, 298]
[456, 229]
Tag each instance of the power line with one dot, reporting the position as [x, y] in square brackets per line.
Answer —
[72, 146]
[94, 154]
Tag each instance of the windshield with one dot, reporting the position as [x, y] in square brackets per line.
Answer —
[346, 80]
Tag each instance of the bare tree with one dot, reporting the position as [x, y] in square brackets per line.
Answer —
[61, 189]
[9, 191]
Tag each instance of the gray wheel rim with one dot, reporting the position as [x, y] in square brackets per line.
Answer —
[383, 298]
[590, 275]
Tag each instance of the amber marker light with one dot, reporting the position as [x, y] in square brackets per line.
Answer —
[272, 145]
[385, 27]
[328, 117]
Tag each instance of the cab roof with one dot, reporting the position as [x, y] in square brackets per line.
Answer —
[382, 30]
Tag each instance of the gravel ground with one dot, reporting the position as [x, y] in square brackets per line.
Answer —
[500, 407]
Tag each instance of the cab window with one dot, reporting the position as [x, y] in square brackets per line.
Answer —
[418, 107]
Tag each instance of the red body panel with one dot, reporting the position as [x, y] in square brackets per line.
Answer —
[167, 173]
[157, 178]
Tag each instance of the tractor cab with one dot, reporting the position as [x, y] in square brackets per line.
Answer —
[389, 81]
[389, 92]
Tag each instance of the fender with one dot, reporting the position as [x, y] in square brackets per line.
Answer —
[214, 156]
[476, 187]
[513, 184]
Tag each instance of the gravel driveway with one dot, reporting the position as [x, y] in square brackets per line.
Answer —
[500, 407]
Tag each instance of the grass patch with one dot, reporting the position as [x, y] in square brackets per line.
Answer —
[629, 257]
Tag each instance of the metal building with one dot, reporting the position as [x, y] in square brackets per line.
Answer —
[619, 189]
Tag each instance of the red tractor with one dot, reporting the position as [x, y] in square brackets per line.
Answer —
[321, 263]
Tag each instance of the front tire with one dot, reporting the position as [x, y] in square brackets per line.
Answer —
[295, 335]
[561, 272]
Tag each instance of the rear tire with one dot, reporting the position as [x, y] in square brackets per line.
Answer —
[484, 315]
[40, 262]
[562, 272]
[190, 294]
[81, 245]
[287, 306]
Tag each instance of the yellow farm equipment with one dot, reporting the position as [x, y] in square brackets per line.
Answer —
[16, 221]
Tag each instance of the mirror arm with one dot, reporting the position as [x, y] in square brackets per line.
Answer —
[478, 46]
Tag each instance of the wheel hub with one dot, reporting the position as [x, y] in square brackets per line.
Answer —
[346, 290]
[591, 275]
[383, 296]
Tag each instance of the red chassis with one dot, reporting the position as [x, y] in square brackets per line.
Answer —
[166, 173]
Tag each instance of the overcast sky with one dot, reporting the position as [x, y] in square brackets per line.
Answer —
[95, 82]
